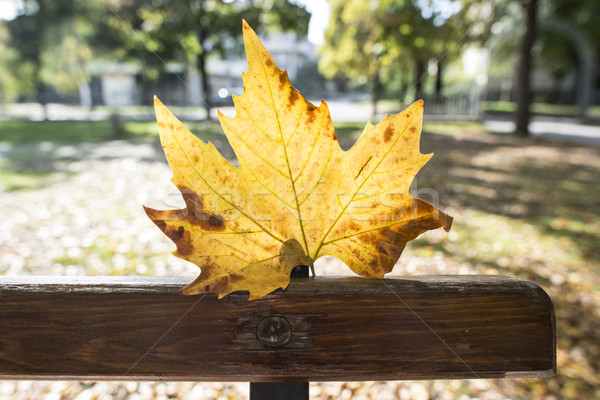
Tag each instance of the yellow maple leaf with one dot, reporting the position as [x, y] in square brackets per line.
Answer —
[296, 195]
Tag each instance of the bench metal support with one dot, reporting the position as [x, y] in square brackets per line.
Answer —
[279, 391]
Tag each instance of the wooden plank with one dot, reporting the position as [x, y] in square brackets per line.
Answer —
[419, 327]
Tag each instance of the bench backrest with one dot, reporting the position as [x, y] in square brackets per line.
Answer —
[319, 329]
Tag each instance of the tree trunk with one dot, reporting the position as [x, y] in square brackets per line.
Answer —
[439, 82]
[375, 92]
[43, 105]
[149, 88]
[404, 85]
[41, 89]
[205, 84]
[419, 75]
[522, 114]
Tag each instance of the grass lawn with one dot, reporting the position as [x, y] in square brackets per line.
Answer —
[30, 151]
[523, 207]
[89, 131]
[559, 110]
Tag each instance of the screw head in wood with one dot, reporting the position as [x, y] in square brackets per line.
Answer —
[274, 331]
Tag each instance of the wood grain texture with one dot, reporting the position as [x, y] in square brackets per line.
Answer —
[419, 327]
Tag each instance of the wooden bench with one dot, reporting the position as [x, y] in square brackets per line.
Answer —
[319, 329]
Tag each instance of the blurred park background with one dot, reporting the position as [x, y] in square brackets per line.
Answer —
[512, 104]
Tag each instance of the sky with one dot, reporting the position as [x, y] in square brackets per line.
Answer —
[318, 8]
[320, 12]
[9, 8]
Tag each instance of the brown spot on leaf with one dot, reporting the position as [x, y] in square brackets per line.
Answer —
[391, 249]
[206, 271]
[357, 253]
[389, 132]
[176, 234]
[162, 225]
[350, 226]
[208, 222]
[215, 220]
[180, 237]
[269, 63]
[368, 238]
[311, 114]
[185, 246]
[220, 285]
[273, 248]
[293, 97]
[196, 215]
[282, 81]
[196, 159]
[377, 267]
[354, 226]
[412, 129]
[166, 125]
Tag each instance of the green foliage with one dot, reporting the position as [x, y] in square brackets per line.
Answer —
[51, 44]
[368, 39]
[64, 62]
[554, 52]
[349, 40]
[155, 33]
[584, 14]
[9, 83]
[15, 131]
[34, 37]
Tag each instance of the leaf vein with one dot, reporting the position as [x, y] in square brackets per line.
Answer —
[359, 187]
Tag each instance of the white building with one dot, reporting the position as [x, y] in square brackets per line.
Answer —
[116, 84]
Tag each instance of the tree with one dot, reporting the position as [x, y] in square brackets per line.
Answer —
[192, 31]
[561, 33]
[31, 35]
[406, 35]
[9, 78]
[353, 45]
[557, 57]
[577, 22]
[522, 114]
